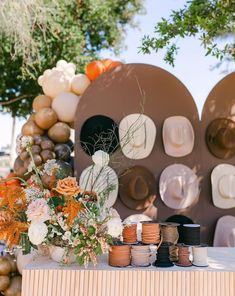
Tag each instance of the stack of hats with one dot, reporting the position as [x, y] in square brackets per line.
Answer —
[150, 232]
[129, 233]
[163, 256]
[183, 253]
[140, 255]
[119, 255]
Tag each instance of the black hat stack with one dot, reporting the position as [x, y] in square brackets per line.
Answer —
[163, 256]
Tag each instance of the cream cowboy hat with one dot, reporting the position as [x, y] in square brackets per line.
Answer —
[137, 134]
[223, 186]
[179, 186]
[96, 179]
[178, 136]
[225, 232]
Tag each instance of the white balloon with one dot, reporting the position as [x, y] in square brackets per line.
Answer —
[65, 106]
[80, 83]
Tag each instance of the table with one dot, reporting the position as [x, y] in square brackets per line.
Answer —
[44, 277]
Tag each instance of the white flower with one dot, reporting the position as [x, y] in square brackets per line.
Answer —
[50, 166]
[115, 227]
[67, 235]
[33, 193]
[38, 211]
[25, 141]
[37, 233]
[100, 158]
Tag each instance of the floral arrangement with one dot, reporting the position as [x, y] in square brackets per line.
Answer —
[60, 215]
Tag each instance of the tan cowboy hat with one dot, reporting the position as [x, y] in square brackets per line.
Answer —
[223, 186]
[137, 188]
[178, 136]
[97, 179]
[220, 138]
[137, 134]
[225, 232]
[179, 186]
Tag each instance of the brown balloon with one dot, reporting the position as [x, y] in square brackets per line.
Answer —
[59, 132]
[30, 128]
[36, 149]
[47, 144]
[37, 139]
[19, 168]
[47, 154]
[24, 155]
[49, 182]
[5, 266]
[41, 101]
[31, 117]
[36, 158]
[45, 118]
[15, 287]
[62, 151]
[4, 282]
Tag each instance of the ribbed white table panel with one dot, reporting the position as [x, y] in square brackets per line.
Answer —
[44, 277]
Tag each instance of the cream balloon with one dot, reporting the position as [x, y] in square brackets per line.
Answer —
[23, 260]
[80, 83]
[54, 82]
[65, 106]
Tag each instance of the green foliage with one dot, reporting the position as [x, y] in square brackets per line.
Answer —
[206, 19]
[77, 32]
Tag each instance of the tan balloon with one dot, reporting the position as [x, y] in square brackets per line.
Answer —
[80, 83]
[5, 266]
[30, 128]
[41, 101]
[4, 282]
[45, 118]
[32, 117]
[65, 106]
[59, 132]
[12, 261]
[15, 287]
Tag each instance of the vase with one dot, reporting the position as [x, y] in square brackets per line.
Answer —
[62, 255]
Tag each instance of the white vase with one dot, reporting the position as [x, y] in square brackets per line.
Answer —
[61, 255]
[23, 260]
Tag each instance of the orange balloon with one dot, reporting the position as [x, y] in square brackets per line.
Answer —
[94, 69]
[106, 63]
[114, 64]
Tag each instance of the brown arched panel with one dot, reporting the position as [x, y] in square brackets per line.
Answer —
[219, 103]
[124, 91]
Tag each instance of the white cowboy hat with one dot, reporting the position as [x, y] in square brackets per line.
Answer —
[137, 134]
[225, 232]
[178, 136]
[179, 186]
[223, 186]
[97, 179]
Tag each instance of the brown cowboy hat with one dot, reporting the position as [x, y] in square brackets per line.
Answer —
[220, 138]
[137, 188]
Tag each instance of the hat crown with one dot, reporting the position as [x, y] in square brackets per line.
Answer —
[227, 186]
[138, 188]
[137, 134]
[178, 134]
[226, 137]
[177, 187]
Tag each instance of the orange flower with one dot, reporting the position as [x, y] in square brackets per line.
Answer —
[12, 233]
[5, 219]
[68, 187]
[72, 208]
[12, 197]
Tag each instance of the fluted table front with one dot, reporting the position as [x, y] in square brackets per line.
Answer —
[44, 277]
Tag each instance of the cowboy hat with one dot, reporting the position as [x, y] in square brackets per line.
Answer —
[179, 186]
[220, 138]
[137, 188]
[178, 136]
[223, 186]
[137, 133]
[225, 232]
[98, 179]
[99, 132]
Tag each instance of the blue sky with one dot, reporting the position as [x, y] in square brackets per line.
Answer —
[191, 66]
